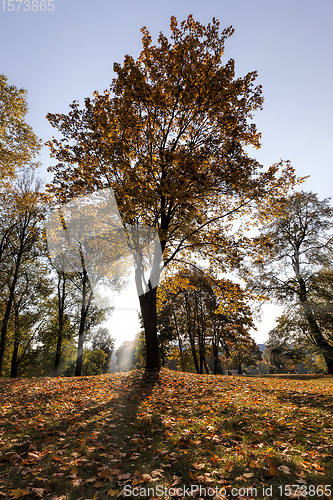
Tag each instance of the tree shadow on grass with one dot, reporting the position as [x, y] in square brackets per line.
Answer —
[80, 433]
[145, 426]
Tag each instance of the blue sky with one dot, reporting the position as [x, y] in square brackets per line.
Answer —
[67, 53]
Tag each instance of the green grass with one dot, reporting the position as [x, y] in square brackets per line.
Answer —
[89, 437]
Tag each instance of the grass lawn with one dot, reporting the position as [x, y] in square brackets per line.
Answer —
[101, 437]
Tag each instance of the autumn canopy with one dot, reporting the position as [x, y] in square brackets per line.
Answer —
[169, 138]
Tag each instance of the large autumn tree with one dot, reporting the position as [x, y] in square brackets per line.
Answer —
[169, 138]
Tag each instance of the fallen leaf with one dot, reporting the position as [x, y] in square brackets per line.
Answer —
[33, 457]
[115, 472]
[10, 457]
[272, 469]
[18, 493]
[105, 474]
[39, 492]
[284, 468]
[135, 482]
[156, 473]
[124, 477]
[215, 459]
[198, 465]
[113, 493]
[176, 480]
[146, 478]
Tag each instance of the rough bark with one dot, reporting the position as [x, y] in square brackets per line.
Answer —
[189, 331]
[14, 364]
[61, 320]
[84, 313]
[149, 316]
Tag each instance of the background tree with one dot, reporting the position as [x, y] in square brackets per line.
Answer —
[103, 341]
[25, 203]
[30, 311]
[169, 139]
[244, 353]
[90, 315]
[18, 143]
[93, 362]
[290, 343]
[62, 325]
[293, 257]
[205, 316]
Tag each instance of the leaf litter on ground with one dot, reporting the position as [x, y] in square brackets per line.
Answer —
[90, 437]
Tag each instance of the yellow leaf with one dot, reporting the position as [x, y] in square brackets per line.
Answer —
[272, 469]
[113, 493]
[18, 493]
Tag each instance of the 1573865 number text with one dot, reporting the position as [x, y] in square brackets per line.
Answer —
[34, 5]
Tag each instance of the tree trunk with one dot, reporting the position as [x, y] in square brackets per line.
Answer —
[84, 313]
[329, 362]
[13, 370]
[56, 367]
[61, 307]
[9, 307]
[215, 358]
[162, 354]
[191, 336]
[14, 365]
[179, 340]
[149, 316]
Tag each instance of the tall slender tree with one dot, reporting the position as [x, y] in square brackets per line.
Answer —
[25, 205]
[293, 258]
